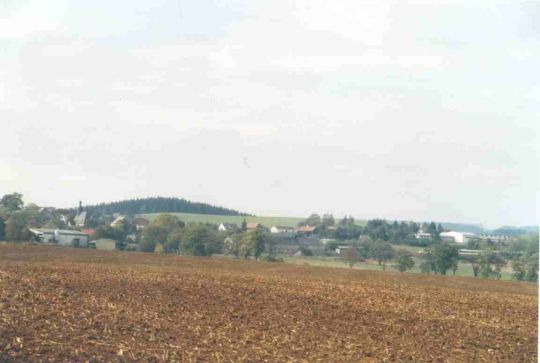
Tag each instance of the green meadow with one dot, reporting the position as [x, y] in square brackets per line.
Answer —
[217, 219]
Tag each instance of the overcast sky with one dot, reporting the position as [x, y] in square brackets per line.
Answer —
[422, 111]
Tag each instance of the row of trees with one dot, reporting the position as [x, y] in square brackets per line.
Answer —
[379, 250]
[377, 229]
[251, 243]
[168, 234]
[441, 258]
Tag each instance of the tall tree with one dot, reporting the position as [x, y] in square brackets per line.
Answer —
[253, 242]
[199, 240]
[351, 254]
[165, 230]
[2, 229]
[328, 220]
[231, 244]
[12, 202]
[313, 220]
[403, 260]
[491, 264]
[17, 227]
[439, 258]
[383, 252]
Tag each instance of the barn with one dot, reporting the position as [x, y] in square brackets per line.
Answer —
[62, 237]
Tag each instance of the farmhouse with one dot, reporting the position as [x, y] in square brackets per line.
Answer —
[281, 229]
[423, 235]
[458, 237]
[62, 237]
[224, 227]
[117, 221]
[252, 226]
[306, 230]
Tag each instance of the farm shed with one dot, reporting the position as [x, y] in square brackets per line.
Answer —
[105, 244]
[62, 237]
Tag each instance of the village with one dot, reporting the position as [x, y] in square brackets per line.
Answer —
[377, 243]
[306, 235]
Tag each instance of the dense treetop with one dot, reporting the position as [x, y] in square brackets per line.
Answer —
[159, 205]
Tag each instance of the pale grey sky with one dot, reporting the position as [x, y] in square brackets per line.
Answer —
[422, 110]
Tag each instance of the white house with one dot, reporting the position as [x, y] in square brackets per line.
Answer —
[117, 221]
[62, 237]
[279, 229]
[458, 237]
[423, 235]
[223, 227]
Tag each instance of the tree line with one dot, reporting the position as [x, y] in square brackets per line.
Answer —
[159, 205]
[377, 229]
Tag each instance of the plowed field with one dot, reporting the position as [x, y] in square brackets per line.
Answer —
[70, 305]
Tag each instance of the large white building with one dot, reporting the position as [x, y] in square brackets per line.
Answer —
[62, 237]
[458, 237]
[493, 237]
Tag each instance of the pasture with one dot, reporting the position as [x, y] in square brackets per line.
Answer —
[267, 221]
[65, 305]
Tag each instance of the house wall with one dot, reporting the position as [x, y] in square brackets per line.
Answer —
[47, 237]
[105, 244]
[71, 240]
[66, 239]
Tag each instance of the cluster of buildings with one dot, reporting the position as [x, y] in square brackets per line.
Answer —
[463, 237]
[282, 231]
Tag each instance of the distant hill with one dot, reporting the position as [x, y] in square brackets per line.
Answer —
[159, 205]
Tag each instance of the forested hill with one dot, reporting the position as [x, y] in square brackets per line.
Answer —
[159, 205]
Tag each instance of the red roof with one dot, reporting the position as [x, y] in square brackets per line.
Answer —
[252, 225]
[88, 231]
[306, 229]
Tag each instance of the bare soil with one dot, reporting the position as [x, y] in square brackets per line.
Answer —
[71, 305]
